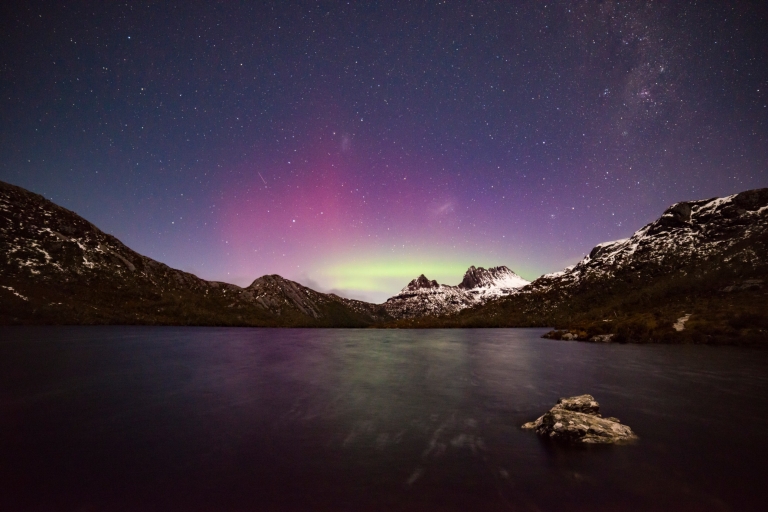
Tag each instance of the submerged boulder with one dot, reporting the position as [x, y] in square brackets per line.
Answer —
[577, 420]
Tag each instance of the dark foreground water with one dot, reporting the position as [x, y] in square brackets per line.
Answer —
[143, 418]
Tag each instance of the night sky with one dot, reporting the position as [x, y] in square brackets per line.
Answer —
[352, 147]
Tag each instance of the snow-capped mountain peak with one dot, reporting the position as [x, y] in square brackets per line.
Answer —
[427, 297]
[419, 283]
[494, 277]
[685, 233]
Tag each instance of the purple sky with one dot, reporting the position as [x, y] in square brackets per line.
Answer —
[352, 147]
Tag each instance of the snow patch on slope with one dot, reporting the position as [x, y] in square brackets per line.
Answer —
[426, 297]
[686, 232]
[10, 289]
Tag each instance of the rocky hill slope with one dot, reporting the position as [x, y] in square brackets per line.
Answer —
[687, 233]
[699, 273]
[422, 297]
[705, 260]
[56, 267]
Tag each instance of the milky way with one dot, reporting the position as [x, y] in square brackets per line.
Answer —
[352, 147]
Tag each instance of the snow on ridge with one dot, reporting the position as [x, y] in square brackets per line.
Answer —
[714, 203]
[688, 229]
[608, 244]
[427, 290]
[684, 232]
[554, 275]
[510, 280]
[10, 289]
[424, 296]
[495, 277]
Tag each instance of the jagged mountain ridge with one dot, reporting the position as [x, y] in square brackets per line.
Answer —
[500, 277]
[56, 267]
[424, 297]
[705, 260]
[687, 232]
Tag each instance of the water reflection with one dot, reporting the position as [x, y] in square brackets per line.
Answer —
[245, 419]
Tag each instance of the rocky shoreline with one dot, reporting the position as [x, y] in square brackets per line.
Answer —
[575, 335]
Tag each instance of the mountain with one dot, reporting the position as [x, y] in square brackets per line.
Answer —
[58, 268]
[422, 297]
[702, 266]
[697, 274]
[728, 232]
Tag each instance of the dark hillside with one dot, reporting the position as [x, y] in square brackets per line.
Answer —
[707, 259]
[58, 268]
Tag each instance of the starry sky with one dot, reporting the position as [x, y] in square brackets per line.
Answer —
[352, 146]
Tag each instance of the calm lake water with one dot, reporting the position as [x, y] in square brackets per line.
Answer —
[153, 418]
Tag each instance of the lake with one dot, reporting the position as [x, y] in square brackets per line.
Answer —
[164, 418]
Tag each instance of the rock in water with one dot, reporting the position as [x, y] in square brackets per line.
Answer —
[577, 420]
[581, 403]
